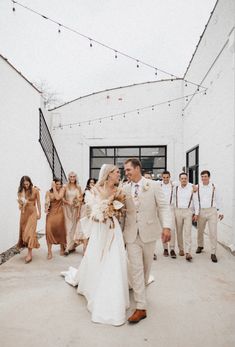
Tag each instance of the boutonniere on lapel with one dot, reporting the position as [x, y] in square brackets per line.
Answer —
[146, 187]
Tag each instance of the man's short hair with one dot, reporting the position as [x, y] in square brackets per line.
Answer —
[183, 173]
[166, 173]
[206, 172]
[134, 162]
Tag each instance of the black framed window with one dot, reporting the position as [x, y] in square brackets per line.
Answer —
[153, 158]
[192, 164]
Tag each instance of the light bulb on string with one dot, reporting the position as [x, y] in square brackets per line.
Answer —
[155, 72]
[171, 78]
[198, 88]
[91, 43]
[205, 92]
[124, 115]
[169, 104]
[137, 64]
[152, 108]
[138, 111]
[79, 124]
[100, 120]
[13, 6]
[186, 98]
[186, 84]
[59, 30]
[115, 54]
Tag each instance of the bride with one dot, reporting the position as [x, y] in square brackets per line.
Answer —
[102, 274]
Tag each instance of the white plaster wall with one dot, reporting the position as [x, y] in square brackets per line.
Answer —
[163, 126]
[209, 120]
[20, 151]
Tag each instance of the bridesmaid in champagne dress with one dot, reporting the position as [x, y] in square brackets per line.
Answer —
[30, 207]
[72, 206]
[55, 222]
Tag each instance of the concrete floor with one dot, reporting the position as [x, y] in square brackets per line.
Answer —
[190, 304]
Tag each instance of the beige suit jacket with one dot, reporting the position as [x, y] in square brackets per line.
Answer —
[145, 216]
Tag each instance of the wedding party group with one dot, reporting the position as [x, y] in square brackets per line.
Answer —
[118, 225]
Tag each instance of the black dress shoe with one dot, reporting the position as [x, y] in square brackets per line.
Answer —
[166, 253]
[199, 250]
[214, 258]
[172, 253]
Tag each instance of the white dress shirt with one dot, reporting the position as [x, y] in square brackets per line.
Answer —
[182, 197]
[168, 191]
[205, 192]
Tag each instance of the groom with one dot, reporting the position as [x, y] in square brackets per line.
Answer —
[144, 202]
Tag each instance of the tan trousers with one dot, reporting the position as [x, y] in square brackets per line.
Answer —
[207, 215]
[172, 241]
[140, 256]
[183, 223]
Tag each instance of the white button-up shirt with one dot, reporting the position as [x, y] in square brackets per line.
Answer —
[168, 190]
[182, 197]
[205, 192]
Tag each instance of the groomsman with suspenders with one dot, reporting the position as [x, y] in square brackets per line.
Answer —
[185, 203]
[209, 203]
[168, 190]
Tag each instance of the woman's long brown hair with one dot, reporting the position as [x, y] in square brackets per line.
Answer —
[21, 186]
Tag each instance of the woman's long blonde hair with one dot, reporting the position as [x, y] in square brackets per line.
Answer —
[76, 181]
[105, 170]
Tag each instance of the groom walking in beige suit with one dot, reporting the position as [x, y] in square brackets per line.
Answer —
[144, 198]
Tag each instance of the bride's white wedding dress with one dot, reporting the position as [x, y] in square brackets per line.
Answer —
[102, 275]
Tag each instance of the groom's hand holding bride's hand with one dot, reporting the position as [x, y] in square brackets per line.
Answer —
[166, 235]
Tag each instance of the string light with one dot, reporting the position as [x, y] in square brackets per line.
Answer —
[186, 98]
[155, 72]
[59, 30]
[92, 40]
[186, 84]
[115, 54]
[133, 111]
[13, 6]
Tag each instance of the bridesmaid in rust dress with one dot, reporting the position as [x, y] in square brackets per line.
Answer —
[55, 222]
[30, 207]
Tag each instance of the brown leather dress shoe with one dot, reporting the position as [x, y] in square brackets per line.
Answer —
[137, 316]
[181, 253]
[166, 253]
[188, 257]
[199, 250]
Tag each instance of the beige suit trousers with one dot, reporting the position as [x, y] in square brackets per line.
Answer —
[207, 215]
[183, 223]
[172, 240]
[140, 257]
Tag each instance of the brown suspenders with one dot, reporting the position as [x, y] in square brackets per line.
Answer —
[171, 192]
[190, 200]
[212, 197]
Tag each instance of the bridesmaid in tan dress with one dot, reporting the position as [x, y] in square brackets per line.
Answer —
[72, 207]
[30, 207]
[55, 223]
